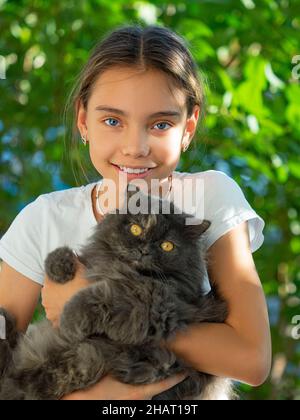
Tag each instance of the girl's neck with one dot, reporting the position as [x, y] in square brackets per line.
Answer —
[165, 184]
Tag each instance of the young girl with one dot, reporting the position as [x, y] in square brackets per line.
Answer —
[137, 104]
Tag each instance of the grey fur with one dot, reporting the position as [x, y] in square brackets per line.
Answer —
[139, 295]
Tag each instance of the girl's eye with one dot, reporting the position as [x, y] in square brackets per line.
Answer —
[110, 119]
[115, 121]
[162, 123]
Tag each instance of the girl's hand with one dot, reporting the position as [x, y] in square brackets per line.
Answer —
[55, 295]
[110, 388]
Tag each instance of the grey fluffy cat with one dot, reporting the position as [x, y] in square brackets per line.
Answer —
[146, 283]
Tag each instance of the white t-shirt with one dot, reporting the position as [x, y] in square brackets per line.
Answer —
[66, 218]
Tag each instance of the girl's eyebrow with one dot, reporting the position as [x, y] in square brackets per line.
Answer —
[167, 113]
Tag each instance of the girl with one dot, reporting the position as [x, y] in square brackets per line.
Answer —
[137, 104]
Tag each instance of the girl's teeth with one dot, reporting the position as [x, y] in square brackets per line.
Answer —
[133, 171]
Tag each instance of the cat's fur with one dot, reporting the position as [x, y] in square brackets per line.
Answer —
[139, 296]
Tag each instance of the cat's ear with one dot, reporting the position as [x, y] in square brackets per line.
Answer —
[195, 231]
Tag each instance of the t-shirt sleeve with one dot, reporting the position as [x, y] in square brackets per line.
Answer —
[226, 206]
[20, 246]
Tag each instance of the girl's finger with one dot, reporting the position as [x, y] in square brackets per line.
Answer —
[158, 387]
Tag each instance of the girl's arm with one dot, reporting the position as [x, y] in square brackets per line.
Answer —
[241, 348]
[18, 295]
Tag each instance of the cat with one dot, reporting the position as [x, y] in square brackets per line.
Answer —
[146, 276]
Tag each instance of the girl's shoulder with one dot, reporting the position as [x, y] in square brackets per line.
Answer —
[210, 174]
[218, 191]
[68, 196]
[215, 184]
[53, 219]
[223, 202]
[62, 205]
[55, 211]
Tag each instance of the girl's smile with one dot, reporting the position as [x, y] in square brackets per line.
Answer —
[133, 173]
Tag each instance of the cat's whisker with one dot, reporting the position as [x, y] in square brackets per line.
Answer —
[162, 276]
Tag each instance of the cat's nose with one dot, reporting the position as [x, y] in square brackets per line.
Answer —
[144, 252]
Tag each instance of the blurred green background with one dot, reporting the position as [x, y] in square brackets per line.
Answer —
[249, 52]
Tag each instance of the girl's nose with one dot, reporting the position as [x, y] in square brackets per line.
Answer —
[135, 145]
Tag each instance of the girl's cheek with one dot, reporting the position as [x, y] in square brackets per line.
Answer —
[168, 150]
[101, 150]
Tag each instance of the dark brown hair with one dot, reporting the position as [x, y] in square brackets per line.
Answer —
[150, 47]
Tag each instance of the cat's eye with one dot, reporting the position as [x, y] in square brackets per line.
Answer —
[136, 230]
[167, 246]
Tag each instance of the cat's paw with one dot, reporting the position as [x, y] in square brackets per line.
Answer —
[163, 313]
[61, 265]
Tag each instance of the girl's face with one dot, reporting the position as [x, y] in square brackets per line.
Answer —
[130, 135]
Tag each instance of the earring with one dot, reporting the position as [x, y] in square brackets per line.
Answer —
[185, 147]
[83, 139]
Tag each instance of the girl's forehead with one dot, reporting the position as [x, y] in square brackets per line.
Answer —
[124, 74]
[120, 74]
[121, 87]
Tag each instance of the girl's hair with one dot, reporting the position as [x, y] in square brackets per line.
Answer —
[150, 47]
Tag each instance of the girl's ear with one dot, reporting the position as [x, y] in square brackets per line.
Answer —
[81, 118]
[195, 231]
[191, 126]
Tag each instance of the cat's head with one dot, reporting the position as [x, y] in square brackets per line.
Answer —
[154, 242]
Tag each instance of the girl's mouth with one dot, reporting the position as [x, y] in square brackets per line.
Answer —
[131, 176]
